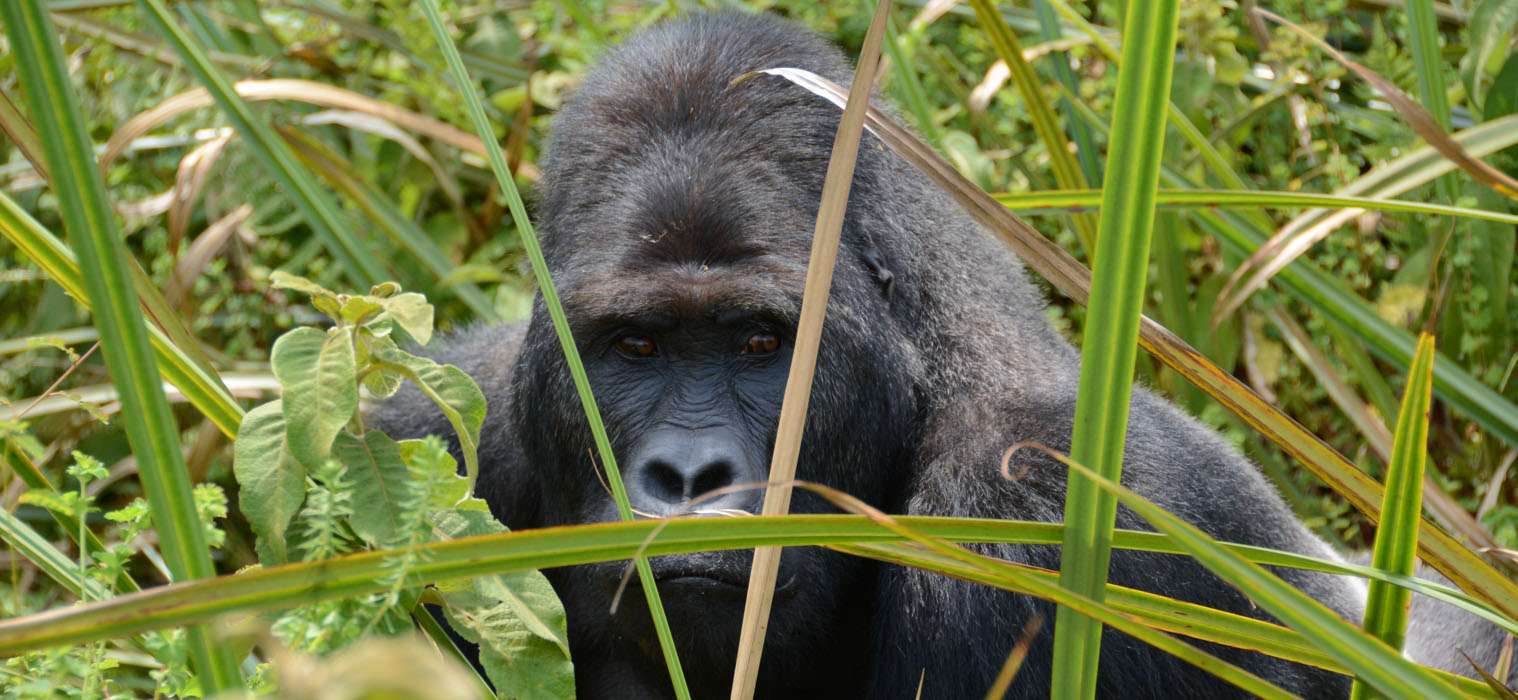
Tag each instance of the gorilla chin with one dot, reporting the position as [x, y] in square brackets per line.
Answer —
[676, 214]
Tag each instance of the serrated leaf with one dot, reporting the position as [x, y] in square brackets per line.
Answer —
[272, 484]
[430, 463]
[516, 618]
[454, 393]
[413, 313]
[381, 486]
[318, 373]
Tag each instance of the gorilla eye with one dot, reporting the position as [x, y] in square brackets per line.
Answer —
[761, 344]
[636, 346]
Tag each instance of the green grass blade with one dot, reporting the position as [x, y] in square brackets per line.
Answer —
[1066, 171]
[1085, 144]
[35, 480]
[304, 583]
[503, 176]
[1369, 658]
[91, 223]
[1396, 547]
[1089, 200]
[1110, 343]
[316, 206]
[40, 552]
[202, 389]
[1428, 64]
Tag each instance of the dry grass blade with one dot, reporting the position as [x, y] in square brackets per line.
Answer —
[368, 123]
[798, 385]
[206, 247]
[1073, 280]
[1015, 659]
[194, 168]
[288, 89]
[1422, 123]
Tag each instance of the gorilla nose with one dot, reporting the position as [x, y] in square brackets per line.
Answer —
[673, 467]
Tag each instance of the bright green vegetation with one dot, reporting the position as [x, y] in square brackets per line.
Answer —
[217, 192]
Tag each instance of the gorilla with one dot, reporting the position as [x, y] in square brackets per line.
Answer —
[676, 213]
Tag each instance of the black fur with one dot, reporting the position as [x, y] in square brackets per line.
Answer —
[671, 201]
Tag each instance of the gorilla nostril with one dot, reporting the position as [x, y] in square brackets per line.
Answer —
[666, 482]
[710, 478]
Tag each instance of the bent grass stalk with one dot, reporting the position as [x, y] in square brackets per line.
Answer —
[503, 176]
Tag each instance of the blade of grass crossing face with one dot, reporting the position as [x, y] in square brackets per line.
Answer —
[316, 206]
[91, 223]
[1396, 547]
[827, 230]
[1066, 172]
[503, 176]
[1110, 344]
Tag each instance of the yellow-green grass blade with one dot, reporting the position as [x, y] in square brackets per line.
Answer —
[317, 207]
[1066, 171]
[338, 173]
[1062, 201]
[1109, 344]
[1154, 611]
[1370, 659]
[476, 110]
[304, 583]
[1071, 278]
[91, 223]
[204, 390]
[1396, 547]
[41, 553]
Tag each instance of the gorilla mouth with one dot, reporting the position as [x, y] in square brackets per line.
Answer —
[701, 572]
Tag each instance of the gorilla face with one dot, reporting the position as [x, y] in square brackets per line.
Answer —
[688, 360]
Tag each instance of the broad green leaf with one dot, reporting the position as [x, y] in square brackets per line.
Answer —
[317, 370]
[1490, 28]
[1396, 547]
[414, 315]
[454, 393]
[271, 482]
[381, 485]
[516, 619]
[1503, 99]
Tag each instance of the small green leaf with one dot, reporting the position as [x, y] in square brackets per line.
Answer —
[284, 280]
[516, 619]
[385, 289]
[318, 373]
[1503, 99]
[356, 309]
[272, 483]
[430, 463]
[381, 485]
[413, 313]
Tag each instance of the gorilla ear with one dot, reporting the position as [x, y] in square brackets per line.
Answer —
[876, 264]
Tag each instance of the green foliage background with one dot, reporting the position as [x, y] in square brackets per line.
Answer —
[1283, 115]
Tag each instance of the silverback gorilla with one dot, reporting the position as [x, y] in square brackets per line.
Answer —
[676, 214]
